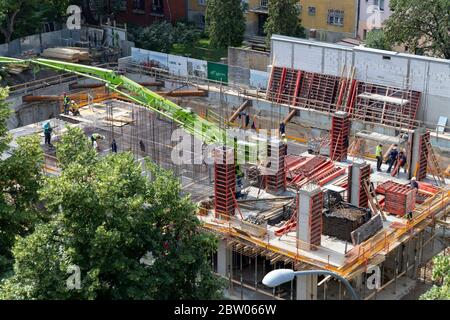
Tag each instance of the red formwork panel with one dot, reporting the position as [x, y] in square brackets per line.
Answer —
[315, 220]
[225, 182]
[340, 130]
[400, 199]
[423, 156]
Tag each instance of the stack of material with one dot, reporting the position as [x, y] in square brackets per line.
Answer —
[318, 169]
[340, 222]
[425, 191]
[400, 199]
[16, 68]
[67, 54]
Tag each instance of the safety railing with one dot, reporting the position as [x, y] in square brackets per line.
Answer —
[383, 241]
[356, 257]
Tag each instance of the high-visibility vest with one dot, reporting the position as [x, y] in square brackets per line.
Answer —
[378, 151]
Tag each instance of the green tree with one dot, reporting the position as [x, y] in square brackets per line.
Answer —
[225, 22]
[20, 18]
[441, 273]
[107, 217]
[421, 25]
[159, 36]
[20, 180]
[283, 19]
[377, 39]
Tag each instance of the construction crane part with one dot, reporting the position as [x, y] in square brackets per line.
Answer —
[206, 131]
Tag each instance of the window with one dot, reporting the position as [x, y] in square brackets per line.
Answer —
[264, 3]
[364, 34]
[336, 17]
[202, 2]
[311, 11]
[157, 6]
[139, 5]
[123, 5]
[381, 5]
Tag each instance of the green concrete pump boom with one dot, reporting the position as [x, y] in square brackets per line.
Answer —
[191, 122]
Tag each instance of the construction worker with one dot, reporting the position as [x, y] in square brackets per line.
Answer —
[402, 161]
[413, 183]
[393, 155]
[66, 102]
[247, 120]
[282, 128]
[239, 183]
[379, 156]
[48, 133]
[114, 146]
[95, 138]
[74, 108]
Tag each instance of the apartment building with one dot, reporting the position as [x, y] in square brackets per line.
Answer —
[145, 12]
[196, 12]
[326, 20]
[372, 14]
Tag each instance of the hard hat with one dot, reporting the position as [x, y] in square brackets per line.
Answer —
[73, 101]
[283, 135]
[413, 178]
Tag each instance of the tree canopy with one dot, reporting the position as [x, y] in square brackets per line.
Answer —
[20, 18]
[284, 19]
[441, 273]
[162, 35]
[377, 39]
[123, 224]
[225, 22]
[20, 180]
[419, 24]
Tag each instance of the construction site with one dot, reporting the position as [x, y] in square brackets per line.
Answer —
[311, 199]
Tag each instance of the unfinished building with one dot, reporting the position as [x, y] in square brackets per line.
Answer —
[325, 207]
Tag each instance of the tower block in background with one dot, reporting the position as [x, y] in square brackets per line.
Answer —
[358, 172]
[275, 175]
[309, 224]
[339, 136]
[224, 182]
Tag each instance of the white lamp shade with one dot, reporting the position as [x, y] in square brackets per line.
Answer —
[276, 277]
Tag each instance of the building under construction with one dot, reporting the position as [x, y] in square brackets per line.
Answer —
[324, 205]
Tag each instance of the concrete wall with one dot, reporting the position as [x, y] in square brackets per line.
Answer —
[431, 76]
[246, 58]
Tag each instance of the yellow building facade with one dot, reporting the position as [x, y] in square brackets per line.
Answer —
[332, 19]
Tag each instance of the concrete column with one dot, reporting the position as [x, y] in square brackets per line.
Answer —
[224, 258]
[415, 151]
[355, 184]
[307, 287]
[304, 214]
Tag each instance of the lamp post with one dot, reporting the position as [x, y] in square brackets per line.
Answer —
[276, 277]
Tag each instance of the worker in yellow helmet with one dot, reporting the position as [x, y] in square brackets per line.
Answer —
[74, 108]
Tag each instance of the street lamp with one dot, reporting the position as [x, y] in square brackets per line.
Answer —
[279, 276]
